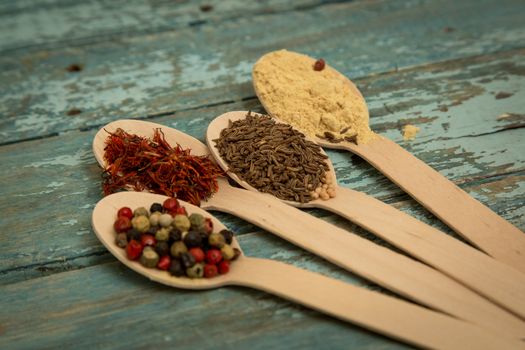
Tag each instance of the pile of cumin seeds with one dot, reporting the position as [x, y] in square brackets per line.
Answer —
[274, 158]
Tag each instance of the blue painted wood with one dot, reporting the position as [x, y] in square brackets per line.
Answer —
[176, 70]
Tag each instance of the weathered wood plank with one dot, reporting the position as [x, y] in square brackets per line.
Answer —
[117, 304]
[30, 25]
[187, 68]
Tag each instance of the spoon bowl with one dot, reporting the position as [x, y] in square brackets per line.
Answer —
[104, 215]
[383, 266]
[213, 133]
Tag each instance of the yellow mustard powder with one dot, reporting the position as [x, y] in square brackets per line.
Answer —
[409, 132]
[313, 101]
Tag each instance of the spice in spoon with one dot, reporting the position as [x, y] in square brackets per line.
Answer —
[311, 96]
[153, 165]
[275, 158]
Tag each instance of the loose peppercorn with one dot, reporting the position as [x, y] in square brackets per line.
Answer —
[164, 262]
[171, 204]
[193, 239]
[195, 271]
[224, 267]
[210, 270]
[149, 257]
[154, 218]
[122, 240]
[196, 221]
[198, 254]
[176, 268]
[141, 223]
[227, 252]
[148, 240]
[133, 234]
[141, 211]
[228, 236]
[177, 249]
[181, 222]
[165, 220]
[216, 239]
[163, 234]
[175, 235]
[213, 256]
[122, 224]
[319, 64]
[126, 212]
[162, 248]
[156, 207]
[187, 260]
[133, 250]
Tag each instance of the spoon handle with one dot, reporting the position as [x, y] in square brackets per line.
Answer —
[491, 278]
[464, 214]
[380, 313]
[383, 266]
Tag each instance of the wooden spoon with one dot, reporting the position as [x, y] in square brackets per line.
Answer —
[465, 215]
[391, 270]
[491, 278]
[383, 314]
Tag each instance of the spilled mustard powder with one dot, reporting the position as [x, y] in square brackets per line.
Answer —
[319, 103]
[409, 132]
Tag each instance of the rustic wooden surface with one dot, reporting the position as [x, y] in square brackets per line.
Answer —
[454, 69]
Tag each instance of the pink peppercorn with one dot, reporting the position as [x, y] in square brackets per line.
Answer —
[224, 267]
[126, 212]
[122, 224]
[319, 64]
[213, 256]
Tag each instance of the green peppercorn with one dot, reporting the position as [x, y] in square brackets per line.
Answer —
[162, 234]
[175, 235]
[154, 218]
[141, 212]
[165, 220]
[227, 252]
[176, 268]
[196, 271]
[156, 207]
[149, 257]
[228, 236]
[162, 248]
[196, 221]
[187, 260]
[216, 240]
[181, 222]
[140, 223]
[122, 240]
[178, 248]
[193, 239]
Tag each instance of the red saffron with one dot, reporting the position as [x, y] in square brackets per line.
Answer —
[153, 165]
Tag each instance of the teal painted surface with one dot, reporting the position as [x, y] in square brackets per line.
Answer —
[441, 66]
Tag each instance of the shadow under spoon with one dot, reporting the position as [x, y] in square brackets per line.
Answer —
[391, 270]
[474, 221]
[383, 314]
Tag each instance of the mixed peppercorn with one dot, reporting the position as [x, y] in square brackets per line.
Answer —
[167, 238]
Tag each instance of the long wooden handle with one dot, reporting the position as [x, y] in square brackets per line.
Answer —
[491, 278]
[383, 314]
[464, 214]
[391, 270]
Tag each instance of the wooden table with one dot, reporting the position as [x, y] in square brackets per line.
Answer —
[455, 69]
